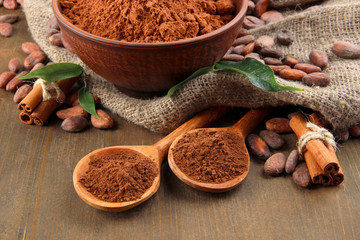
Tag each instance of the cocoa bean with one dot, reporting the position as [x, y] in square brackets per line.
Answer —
[251, 7]
[272, 139]
[74, 124]
[270, 52]
[317, 79]
[274, 18]
[14, 65]
[232, 57]
[242, 32]
[355, 130]
[341, 135]
[9, 18]
[292, 161]
[34, 58]
[261, 7]
[248, 49]
[244, 40]
[6, 29]
[66, 44]
[277, 69]
[346, 50]
[52, 26]
[307, 67]
[238, 49]
[104, 122]
[15, 82]
[29, 47]
[72, 112]
[251, 22]
[291, 61]
[267, 14]
[5, 77]
[21, 93]
[258, 147]
[319, 58]
[275, 164]
[292, 74]
[37, 66]
[253, 55]
[278, 125]
[301, 175]
[285, 37]
[272, 61]
[55, 40]
[10, 4]
[264, 41]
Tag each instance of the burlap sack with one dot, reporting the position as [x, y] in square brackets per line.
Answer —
[316, 28]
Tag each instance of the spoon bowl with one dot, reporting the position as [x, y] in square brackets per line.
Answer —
[242, 128]
[155, 153]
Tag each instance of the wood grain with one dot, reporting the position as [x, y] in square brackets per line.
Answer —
[38, 201]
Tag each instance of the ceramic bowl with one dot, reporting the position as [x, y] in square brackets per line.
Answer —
[146, 69]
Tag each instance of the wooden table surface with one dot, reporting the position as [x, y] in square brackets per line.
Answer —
[38, 200]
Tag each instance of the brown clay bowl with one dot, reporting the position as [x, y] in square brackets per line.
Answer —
[145, 69]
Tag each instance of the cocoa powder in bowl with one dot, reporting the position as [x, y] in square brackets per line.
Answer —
[210, 156]
[148, 21]
[119, 175]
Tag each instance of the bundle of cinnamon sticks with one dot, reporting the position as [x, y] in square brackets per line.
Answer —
[34, 110]
[320, 158]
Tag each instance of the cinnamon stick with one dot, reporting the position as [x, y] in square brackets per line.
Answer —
[26, 118]
[32, 100]
[43, 111]
[316, 147]
[338, 177]
[315, 171]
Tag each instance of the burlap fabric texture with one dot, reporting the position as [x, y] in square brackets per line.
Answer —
[316, 28]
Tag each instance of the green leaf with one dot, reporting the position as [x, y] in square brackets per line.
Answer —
[197, 73]
[260, 75]
[86, 100]
[55, 72]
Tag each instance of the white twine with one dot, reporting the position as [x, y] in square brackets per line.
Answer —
[317, 133]
[48, 88]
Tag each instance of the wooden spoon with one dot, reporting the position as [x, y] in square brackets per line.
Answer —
[242, 128]
[156, 153]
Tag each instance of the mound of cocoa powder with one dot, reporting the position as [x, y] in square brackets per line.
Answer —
[148, 20]
[210, 156]
[119, 176]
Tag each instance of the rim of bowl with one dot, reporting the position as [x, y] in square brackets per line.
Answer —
[210, 35]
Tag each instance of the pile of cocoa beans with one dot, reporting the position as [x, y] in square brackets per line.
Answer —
[74, 116]
[309, 71]
[270, 139]
[6, 20]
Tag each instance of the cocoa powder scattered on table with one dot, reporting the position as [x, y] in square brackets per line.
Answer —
[148, 21]
[210, 156]
[119, 175]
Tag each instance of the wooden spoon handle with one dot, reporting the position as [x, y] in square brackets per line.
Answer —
[202, 119]
[251, 120]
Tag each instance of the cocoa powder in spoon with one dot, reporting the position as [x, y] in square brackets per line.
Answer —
[119, 176]
[210, 156]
